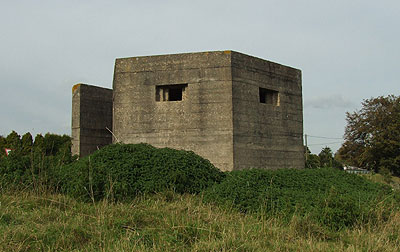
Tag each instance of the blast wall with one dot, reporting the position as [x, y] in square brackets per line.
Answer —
[235, 110]
[201, 121]
[267, 133]
[91, 114]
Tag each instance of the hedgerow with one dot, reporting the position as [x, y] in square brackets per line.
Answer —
[33, 164]
[328, 196]
[122, 171]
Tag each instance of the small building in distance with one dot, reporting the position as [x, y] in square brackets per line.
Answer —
[356, 170]
[236, 110]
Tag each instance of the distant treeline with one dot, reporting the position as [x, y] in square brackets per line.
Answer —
[33, 163]
[49, 144]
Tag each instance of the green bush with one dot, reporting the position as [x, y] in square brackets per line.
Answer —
[121, 171]
[15, 169]
[328, 196]
[34, 165]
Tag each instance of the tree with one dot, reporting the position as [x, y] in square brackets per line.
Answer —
[326, 157]
[372, 135]
[27, 143]
[13, 141]
[3, 145]
[55, 144]
[312, 160]
[38, 144]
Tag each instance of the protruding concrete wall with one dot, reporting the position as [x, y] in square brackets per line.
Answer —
[266, 135]
[236, 110]
[201, 121]
[91, 114]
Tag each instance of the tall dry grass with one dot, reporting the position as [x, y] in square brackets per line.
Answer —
[171, 222]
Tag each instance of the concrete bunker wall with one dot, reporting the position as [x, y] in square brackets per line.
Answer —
[267, 114]
[91, 115]
[236, 110]
[198, 118]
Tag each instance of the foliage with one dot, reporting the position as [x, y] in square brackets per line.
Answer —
[372, 135]
[328, 196]
[3, 145]
[30, 164]
[325, 200]
[54, 144]
[170, 222]
[326, 157]
[312, 161]
[13, 140]
[39, 142]
[122, 171]
[384, 178]
[26, 144]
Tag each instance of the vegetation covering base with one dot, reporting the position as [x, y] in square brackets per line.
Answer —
[328, 199]
[122, 171]
[327, 196]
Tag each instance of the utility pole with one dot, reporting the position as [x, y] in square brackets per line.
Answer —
[305, 138]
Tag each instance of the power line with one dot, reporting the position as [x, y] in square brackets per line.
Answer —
[325, 137]
[325, 143]
[322, 137]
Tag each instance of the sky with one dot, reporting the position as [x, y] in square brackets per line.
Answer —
[347, 50]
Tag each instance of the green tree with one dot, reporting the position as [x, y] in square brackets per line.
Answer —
[27, 143]
[312, 160]
[326, 157]
[372, 135]
[13, 141]
[38, 144]
[337, 163]
[3, 145]
[55, 144]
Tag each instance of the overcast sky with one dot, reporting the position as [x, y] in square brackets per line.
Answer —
[347, 50]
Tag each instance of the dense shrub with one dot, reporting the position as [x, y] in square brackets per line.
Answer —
[122, 171]
[329, 196]
[35, 164]
[15, 169]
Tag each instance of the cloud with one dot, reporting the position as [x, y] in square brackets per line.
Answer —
[329, 102]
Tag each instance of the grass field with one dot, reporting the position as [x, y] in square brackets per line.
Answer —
[169, 222]
[393, 181]
[141, 198]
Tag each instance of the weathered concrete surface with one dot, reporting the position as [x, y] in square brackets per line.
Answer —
[266, 135]
[201, 121]
[211, 103]
[91, 114]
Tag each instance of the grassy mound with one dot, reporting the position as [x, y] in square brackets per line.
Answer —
[328, 196]
[123, 171]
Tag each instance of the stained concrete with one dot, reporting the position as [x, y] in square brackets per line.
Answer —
[209, 103]
[91, 116]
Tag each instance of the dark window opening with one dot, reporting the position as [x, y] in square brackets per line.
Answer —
[175, 94]
[269, 96]
[170, 92]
